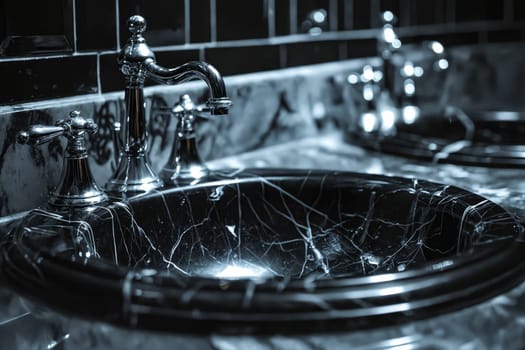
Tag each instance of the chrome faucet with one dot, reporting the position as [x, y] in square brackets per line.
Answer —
[137, 62]
[76, 186]
[184, 164]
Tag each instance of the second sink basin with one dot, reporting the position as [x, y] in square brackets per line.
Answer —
[270, 250]
[473, 137]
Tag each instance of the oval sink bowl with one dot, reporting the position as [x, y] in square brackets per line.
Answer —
[483, 138]
[270, 251]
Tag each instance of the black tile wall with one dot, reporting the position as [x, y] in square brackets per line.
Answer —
[481, 10]
[165, 20]
[200, 21]
[313, 52]
[519, 9]
[282, 17]
[427, 12]
[344, 14]
[361, 15]
[96, 28]
[244, 59]
[504, 35]
[452, 39]
[26, 17]
[69, 47]
[111, 79]
[41, 29]
[47, 78]
[241, 19]
[360, 48]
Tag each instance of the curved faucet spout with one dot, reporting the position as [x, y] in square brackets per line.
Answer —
[137, 62]
[219, 101]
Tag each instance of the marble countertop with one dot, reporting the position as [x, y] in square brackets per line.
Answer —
[495, 324]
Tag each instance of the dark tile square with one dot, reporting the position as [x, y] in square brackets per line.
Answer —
[96, 25]
[3, 21]
[111, 79]
[467, 11]
[344, 14]
[26, 18]
[449, 39]
[313, 16]
[361, 14]
[246, 59]
[35, 45]
[504, 35]
[312, 52]
[361, 48]
[43, 29]
[165, 20]
[241, 19]
[30, 80]
[427, 12]
[519, 9]
[282, 17]
[200, 21]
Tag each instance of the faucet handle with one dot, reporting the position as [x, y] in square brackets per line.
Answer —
[184, 163]
[186, 108]
[76, 187]
[73, 127]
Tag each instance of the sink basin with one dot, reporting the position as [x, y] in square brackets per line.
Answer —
[269, 251]
[475, 137]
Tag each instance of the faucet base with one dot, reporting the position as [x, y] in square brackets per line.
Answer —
[84, 200]
[184, 175]
[134, 175]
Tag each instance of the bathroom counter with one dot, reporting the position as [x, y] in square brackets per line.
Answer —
[498, 323]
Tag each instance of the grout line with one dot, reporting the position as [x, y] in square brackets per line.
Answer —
[187, 21]
[343, 51]
[404, 14]
[375, 10]
[99, 80]
[283, 56]
[439, 14]
[117, 23]
[271, 18]
[508, 10]
[348, 14]
[483, 37]
[75, 46]
[293, 16]
[332, 15]
[213, 20]
[451, 11]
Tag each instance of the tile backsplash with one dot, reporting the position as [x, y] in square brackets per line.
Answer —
[64, 48]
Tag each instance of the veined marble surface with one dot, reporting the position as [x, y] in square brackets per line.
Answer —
[495, 324]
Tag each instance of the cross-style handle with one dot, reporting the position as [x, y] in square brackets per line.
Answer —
[76, 186]
[74, 127]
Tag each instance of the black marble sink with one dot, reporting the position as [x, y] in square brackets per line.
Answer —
[269, 251]
[471, 137]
